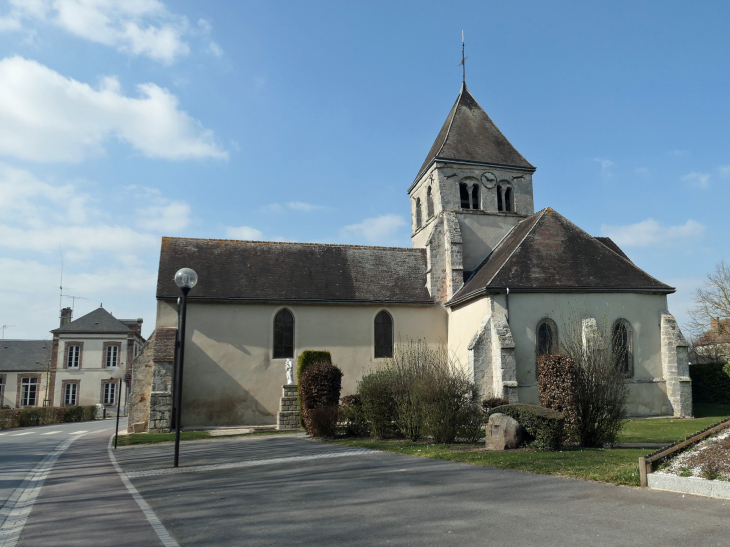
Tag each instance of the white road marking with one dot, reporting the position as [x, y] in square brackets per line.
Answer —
[50, 433]
[14, 513]
[252, 463]
[21, 434]
[78, 432]
[157, 526]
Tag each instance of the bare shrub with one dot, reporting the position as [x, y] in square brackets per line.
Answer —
[378, 404]
[322, 421]
[600, 390]
[353, 416]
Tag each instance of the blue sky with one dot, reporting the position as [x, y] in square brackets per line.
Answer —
[121, 122]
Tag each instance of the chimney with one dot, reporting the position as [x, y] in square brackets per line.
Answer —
[137, 327]
[714, 323]
[66, 314]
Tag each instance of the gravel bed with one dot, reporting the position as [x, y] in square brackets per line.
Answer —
[710, 459]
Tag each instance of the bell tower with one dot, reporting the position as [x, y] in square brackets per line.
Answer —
[471, 190]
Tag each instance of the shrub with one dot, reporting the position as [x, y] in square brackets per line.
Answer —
[24, 417]
[557, 385]
[710, 383]
[322, 421]
[378, 403]
[79, 413]
[493, 402]
[353, 416]
[307, 358]
[544, 427]
[319, 386]
[472, 422]
[447, 395]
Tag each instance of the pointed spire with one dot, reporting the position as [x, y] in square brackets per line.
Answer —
[463, 62]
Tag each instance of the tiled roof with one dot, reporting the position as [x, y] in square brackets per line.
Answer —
[469, 134]
[547, 252]
[98, 320]
[24, 355]
[294, 272]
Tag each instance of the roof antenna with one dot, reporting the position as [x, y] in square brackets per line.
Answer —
[463, 60]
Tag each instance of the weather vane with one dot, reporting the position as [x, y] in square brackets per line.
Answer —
[463, 60]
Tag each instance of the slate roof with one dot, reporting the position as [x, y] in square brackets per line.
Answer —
[469, 134]
[24, 355]
[261, 271]
[547, 252]
[98, 321]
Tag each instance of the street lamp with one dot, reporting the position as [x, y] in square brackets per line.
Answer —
[117, 374]
[186, 279]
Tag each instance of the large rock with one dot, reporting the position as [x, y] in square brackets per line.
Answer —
[503, 432]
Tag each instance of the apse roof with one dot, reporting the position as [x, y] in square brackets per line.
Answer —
[547, 252]
[469, 134]
[265, 271]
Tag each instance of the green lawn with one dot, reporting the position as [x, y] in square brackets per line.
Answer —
[150, 438]
[613, 465]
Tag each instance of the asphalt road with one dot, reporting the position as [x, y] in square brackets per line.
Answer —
[21, 449]
[292, 491]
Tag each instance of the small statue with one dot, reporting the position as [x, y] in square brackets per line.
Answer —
[289, 372]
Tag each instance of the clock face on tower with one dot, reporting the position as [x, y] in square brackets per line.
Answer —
[489, 180]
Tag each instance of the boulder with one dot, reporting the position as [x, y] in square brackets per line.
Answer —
[503, 432]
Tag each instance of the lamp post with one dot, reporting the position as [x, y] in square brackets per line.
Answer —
[117, 374]
[186, 279]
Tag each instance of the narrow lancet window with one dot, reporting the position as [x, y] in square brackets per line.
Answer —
[622, 346]
[500, 206]
[429, 203]
[475, 197]
[508, 199]
[464, 195]
[547, 337]
[418, 213]
[383, 335]
[284, 335]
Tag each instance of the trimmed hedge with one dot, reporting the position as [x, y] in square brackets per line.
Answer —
[307, 358]
[710, 383]
[320, 386]
[556, 383]
[493, 402]
[543, 426]
[24, 417]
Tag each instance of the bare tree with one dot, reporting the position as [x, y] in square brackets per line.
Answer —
[601, 390]
[709, 324]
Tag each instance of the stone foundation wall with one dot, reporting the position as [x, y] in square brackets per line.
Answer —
[675, 366]
[288, 415]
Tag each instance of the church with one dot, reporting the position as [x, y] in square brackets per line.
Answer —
[487, 277]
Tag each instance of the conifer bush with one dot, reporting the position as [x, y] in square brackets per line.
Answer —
[319, 387]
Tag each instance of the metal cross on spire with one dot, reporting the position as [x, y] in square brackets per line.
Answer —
[463, 60]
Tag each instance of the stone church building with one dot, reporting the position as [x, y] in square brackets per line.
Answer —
[487, 277]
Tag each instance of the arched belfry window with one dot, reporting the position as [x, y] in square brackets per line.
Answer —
[546, 337]
[508, 201]
[383, 335]
[464, 195]
[429, 203]
[418, 213]
[622, 346]
[500, 202]
[284, 335]
[475, 197]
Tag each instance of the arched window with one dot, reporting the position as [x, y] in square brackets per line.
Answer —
[622, 349]
[284, 335]
[475, 197]
[464, 195]
[546, 337]
[418, 213]
[383, 335]
[508, 205]
[500, 203]
[429, 203]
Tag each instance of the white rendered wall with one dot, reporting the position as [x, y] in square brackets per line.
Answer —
[230, 375]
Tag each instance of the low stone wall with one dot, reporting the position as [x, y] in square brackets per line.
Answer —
[690, 485]
[288, 416]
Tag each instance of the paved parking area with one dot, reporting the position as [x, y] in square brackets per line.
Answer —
[287, 490]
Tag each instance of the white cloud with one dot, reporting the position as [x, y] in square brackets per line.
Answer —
[136, 27]
[724, 171]
[678, 153]
[172, 217]
[306, 207]
[376, 229]
[244, 232]
[605, 166]
[649, 232]
[698, 180]
[642, 170]
[45, 116]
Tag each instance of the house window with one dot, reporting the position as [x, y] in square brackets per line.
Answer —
[112, 356]
[429, 203]
[109, 393]
[73, 356]
[622, 346]
[71, 394]
[29, 392]
[284, 335]
[418, 213]
[546, 337]
[464, 195]
[383, 335]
